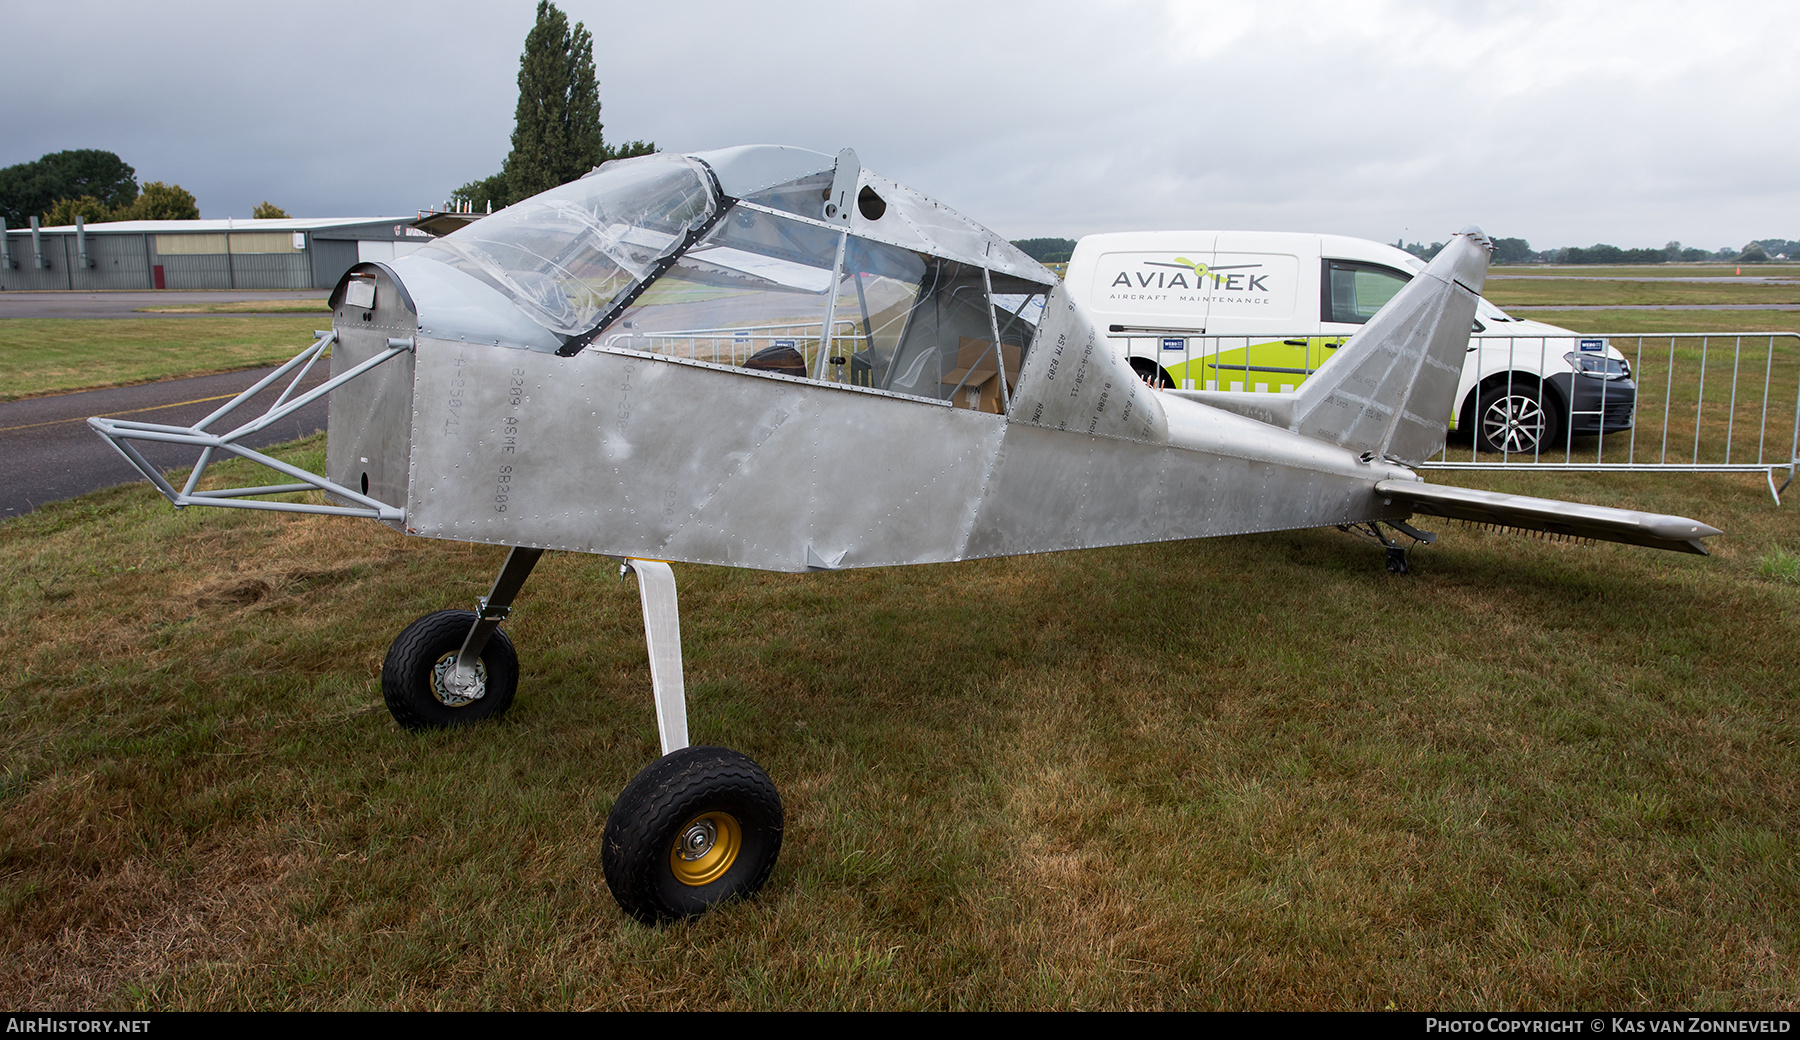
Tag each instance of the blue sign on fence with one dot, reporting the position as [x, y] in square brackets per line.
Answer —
[1594, 346]
[1174, 343]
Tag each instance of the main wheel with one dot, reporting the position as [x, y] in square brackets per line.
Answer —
[1513, 418]
[697, 827]
[413, 676]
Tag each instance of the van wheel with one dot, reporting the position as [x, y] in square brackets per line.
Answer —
[1513, 418]
[1154, 375]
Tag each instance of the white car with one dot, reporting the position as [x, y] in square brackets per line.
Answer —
[1261, 310]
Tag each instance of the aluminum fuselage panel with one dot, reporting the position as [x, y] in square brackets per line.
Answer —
[629, 455]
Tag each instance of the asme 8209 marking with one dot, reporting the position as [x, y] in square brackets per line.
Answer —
[503, 488]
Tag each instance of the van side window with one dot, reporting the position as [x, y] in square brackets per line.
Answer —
[1353, 292]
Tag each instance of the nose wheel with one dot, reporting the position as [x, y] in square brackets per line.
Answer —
[423, 687]
[455, 667]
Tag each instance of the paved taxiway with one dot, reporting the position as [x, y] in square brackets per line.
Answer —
[53, 454]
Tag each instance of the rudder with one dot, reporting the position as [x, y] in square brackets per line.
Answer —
[1391, 388]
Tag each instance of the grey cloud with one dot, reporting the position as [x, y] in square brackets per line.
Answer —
[1565, 124]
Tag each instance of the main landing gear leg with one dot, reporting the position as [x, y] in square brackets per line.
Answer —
[701, 825]
[495, 606]
[662, 633]
[454, 667]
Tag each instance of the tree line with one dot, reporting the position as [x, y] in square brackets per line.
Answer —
[91, 184]
[1519, 251]
[1047, 250]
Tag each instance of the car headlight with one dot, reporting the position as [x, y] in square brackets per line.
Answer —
[1599, 366]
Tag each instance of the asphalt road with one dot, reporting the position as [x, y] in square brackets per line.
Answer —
[125, 304]
[56, 455]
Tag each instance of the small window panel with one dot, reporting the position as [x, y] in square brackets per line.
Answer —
[1354, 292]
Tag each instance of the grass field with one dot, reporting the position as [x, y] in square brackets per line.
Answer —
[50, 355]
[1563, 292]
[1245, 772]
[1569, 289]
[1610, 321]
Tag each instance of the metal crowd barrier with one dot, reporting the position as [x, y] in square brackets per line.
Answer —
[1691, 402]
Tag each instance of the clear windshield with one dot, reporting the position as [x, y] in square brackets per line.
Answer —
[1025, 307]
[805, 196]
[564, 256]
[761, 290]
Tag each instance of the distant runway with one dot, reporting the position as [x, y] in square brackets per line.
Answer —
[55, 455]
[1723, 279]
[124, 304]
[1652, 307]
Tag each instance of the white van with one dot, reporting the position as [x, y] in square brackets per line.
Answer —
[1261, 310]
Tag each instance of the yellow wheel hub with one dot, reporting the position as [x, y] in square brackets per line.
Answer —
[705, 848]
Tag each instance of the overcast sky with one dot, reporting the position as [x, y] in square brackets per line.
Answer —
[1562, 123]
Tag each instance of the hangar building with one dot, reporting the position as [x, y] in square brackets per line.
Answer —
[201, 254]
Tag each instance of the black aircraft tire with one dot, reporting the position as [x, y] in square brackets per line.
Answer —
[716, 802]
[409, 675]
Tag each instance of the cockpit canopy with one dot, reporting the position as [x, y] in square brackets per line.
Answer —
[767, 258]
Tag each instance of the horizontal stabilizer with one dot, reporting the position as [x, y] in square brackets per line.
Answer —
[1676, 533]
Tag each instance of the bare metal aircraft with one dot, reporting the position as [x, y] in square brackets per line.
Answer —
[772, 358]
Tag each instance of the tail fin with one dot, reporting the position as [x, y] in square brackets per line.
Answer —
[1390, 389]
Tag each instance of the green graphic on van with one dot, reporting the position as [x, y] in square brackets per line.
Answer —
[1158, 280]
[1199, 268]
[1272, 364]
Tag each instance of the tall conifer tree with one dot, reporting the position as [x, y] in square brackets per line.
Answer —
[557, 135]
[557, 130]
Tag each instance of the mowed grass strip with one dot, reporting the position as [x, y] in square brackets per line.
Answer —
[1242, 772]
[60, 355]
[1558, 292]
[1604, 322]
